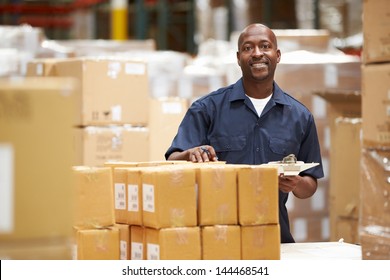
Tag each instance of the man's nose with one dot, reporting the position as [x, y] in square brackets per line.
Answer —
[257, 51]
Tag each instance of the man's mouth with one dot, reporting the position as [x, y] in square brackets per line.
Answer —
[259, 65]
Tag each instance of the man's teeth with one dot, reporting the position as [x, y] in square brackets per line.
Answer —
[258, 65]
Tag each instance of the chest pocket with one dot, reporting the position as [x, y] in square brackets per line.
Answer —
[283, 147]
[226, 144]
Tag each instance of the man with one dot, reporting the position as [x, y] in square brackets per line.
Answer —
[253, 122]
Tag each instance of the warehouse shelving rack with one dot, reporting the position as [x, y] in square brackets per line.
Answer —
[172, 21]
[54, 16]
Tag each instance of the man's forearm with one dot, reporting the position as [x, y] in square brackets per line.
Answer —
[179, 156]
[306, 187]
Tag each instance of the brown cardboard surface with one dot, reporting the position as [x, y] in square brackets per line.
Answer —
[97, 145]
[113, 91]
[165, 117]
[134, 196]
[138, 243]
[303, 39]
[120, 194]
[345, 155]
[258, 195]
[376, 35]
[36, 119]
[217, 194]
[182, 243]
[97, 244]
[375, 105]
[260, 242]
[375, 246]
[347, 230]
[375, 189]
[221, 242]
[42, 67]
[94, 197]
[43, 249]
[169, 196]
[124, 241]
[344, 117]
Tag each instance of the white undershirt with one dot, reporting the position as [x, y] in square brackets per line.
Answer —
[259, 104]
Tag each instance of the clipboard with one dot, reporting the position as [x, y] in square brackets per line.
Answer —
[291, 169]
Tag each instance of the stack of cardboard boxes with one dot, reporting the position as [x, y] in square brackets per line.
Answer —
[113, 107]
[375, 207]
[344, 119]
[180, 210]
[116, 114]
[94, 233]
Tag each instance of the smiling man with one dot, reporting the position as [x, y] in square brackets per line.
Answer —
[253, 121]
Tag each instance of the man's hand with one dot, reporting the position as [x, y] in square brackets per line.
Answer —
[204, 153]
[301, 186]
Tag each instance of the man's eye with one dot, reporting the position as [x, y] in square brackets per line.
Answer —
[265, 47]
[247, 48]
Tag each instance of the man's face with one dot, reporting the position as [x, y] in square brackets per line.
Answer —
[257, 53]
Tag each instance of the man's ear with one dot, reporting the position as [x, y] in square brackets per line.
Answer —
[279, 54]
[238, 58]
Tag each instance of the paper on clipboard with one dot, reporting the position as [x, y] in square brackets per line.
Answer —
[291, 169]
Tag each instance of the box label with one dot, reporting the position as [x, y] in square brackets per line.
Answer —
[132, 203]
[135, 69]
[153, 251]
[137, 251]
[123, 250]
[120, 196]
[172, 108]
[148, 198]
[116, 113]
[6, 188]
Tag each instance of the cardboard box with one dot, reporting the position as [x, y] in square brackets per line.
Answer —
[344, 114]
[258, 195]
[97, 244]
[376, 105]
[96, 145]
[217, 194]
[128, 195]
[165, 117]
[376, 34]
[345, 164]
[181, 243]
[124, 241]
[113, 91]
[94, 197]
[260, 242]
[221, 242]
[36, 119]
[169, 196]
[138, 243]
